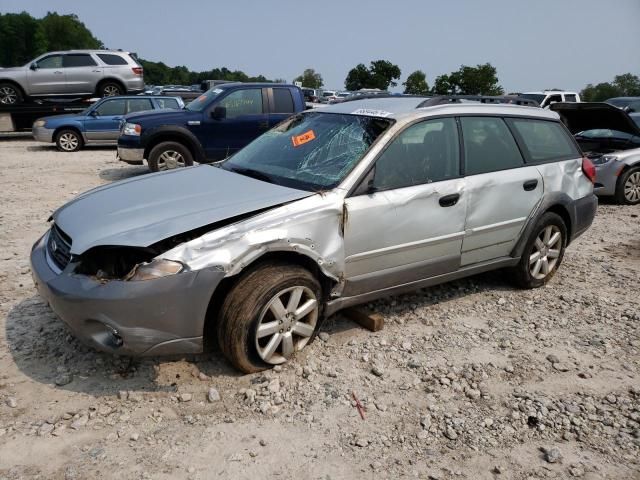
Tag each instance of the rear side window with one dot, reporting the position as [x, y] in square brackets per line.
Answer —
[167, 103]
[543, 140]
[111, 59]
[243, 102]
[112, 107]
[423, 153]
[569, 97]
[139, 105]
[488, 145]
[282, 100]
[78, 60]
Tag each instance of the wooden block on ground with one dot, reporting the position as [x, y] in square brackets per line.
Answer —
[371, 321]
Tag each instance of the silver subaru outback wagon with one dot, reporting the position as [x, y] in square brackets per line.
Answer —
[331, 208]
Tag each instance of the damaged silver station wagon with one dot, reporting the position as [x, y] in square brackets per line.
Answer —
[332, 208]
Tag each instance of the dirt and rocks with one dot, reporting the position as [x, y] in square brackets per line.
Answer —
[469, 380]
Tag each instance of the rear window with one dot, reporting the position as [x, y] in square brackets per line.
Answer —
[111, 59]
[167, 103]
[78, 60]
[544, 140]
[139, 105]
[282, 101]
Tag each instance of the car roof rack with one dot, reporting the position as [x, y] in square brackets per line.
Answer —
[445, 99]
[380, 95]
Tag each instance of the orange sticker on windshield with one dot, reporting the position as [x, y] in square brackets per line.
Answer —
[304, 138]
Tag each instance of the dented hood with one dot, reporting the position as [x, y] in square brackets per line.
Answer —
[580, 117]
[144, 210]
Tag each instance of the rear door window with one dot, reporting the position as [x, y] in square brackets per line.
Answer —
[247, 101]
[139, 105]
[167, 103]
[488, 145]
[543, 141]
[78, 60]
[423, 153]
[111, 59]
[112, 107]
[282, 101]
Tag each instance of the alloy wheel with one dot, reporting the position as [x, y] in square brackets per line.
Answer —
[110, 91]
[170, 159]
[546, 251]
[283, 330]
[8, 95]
[68, 142]
[632, 187]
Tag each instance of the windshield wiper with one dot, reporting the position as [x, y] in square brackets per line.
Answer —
[250, 172]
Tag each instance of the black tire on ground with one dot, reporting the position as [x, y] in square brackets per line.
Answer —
[69, 141]
[247, 302]
[10, 94]
[169, 155]
[110, 89]
[628, 187]
[541, 247]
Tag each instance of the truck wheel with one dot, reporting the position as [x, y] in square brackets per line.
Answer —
[169, 155]
[628, 187]
[69, 141]
[543, 252]
[268, 316]
[110, 89]
[10, 94]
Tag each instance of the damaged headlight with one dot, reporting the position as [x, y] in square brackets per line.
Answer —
[131, 129]
[155, 269]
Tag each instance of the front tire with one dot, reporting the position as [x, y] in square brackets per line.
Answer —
[10, 94]
[628, 187]
[543, 252]
[269, 315]
[69, 141]
[168, 156]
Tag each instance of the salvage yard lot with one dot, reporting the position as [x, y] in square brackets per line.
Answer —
[473, 379]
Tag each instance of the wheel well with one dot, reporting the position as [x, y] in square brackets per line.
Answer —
[15, 84]
[225, 286]
[562, 211]
[110, 80]
[66, 127]
[182, 140]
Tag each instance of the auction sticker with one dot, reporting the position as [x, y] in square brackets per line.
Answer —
[303, 138]
[371, 112]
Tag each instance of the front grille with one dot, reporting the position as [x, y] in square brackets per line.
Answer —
[59, 247]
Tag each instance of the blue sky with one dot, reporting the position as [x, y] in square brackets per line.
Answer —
[534, 44]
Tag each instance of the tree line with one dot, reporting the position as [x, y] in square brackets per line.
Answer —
[23, 37]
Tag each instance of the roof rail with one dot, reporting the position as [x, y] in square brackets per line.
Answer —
[353, 98]
[445, 99]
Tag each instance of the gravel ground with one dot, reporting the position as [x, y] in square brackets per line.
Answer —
[470, 380]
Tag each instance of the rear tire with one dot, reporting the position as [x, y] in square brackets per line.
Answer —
[543, 252]
[269, 315]
[69, 141]
[628, 187]
[168, 156]
[110, 89]
[10, 94]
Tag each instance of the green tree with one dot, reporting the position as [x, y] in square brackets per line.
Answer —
[416, 84]
[600, 92]
[67, 32]
[478, 80]
[628, 84]
[310, 79]
[21, 39]
[381, 74]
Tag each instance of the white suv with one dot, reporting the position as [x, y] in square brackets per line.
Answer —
[72, 73]
[547, 97]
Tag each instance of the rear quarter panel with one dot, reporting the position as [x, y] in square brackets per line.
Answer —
[565, 176]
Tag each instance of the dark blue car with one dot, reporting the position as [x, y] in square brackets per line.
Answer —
[213, 126]
[100, 123]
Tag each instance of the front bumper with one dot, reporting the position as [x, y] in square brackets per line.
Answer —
[153, 317]
[131, 155]
[607, 177]
[42, 134]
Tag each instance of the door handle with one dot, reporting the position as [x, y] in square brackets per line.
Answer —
[58, 72]
[449, 200]
[530, 185]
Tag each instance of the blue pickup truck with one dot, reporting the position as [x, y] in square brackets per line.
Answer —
[213, 126]
[99, 123]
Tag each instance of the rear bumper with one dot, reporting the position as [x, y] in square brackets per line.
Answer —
[584, 213]
[42, 134]
[153, 317]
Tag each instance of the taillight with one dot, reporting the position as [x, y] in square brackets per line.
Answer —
[589, 169]
[137, 70]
